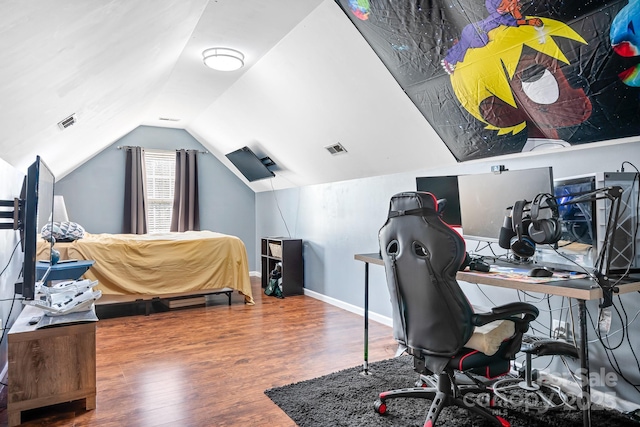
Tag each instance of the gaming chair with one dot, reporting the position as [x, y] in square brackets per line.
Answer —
[432, 317]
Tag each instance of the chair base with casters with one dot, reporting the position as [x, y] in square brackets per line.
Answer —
[450, 389]
[537, 396]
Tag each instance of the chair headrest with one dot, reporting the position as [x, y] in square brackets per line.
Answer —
[413, 203]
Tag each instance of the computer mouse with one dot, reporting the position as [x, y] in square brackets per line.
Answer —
[540, 272]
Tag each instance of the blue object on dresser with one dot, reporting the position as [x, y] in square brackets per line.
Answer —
[63, 270]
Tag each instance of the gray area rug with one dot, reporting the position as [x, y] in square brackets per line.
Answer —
[346, 398]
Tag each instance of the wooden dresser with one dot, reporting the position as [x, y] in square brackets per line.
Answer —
[49, 365]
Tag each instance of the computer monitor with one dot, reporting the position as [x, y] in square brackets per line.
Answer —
[577, 220]
[584, 224]
[577, 248]
[485, 198]
[443, 187]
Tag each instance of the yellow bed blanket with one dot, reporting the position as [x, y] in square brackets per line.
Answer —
[160, 263]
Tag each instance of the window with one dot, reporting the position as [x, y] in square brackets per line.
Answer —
[161, 167]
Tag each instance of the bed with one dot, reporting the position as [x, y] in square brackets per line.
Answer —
[160, 264]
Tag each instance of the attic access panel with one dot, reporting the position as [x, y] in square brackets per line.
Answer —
[493, 83]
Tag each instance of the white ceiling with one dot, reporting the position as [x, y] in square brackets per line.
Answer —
[310, 80]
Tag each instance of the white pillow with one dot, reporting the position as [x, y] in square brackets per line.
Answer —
[65, 231]
[487, 338]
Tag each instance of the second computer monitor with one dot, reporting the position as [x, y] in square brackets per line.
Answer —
[485, 198]
[443, 187]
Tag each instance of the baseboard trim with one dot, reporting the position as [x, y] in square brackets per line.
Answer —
[255, 274]
[387, 321]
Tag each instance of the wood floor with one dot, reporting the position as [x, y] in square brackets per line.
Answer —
[209, 366]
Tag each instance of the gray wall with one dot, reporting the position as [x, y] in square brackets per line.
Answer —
[94, 192]
[341, 219]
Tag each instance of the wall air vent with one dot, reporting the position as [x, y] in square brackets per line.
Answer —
[336, 149]
[65, 123]
[168, 119]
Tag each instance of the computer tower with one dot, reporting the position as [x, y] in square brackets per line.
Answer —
[625, 245]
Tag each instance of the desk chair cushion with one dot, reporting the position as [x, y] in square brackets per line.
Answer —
[488, 338]
[470, 360]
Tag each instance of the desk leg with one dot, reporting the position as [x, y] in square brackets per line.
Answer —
[365, 365]
[584, 365]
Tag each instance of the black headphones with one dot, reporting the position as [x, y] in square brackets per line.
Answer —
[521, 244]
[545, 230]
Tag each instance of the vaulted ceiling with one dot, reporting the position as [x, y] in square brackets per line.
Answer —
[309, 81]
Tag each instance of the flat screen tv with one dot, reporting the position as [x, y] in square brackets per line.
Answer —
[486, 198]
[38, 210]
[443, 187]
[249, 164]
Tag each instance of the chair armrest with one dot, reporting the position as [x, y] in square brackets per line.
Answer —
[517, 308]
[521, 313]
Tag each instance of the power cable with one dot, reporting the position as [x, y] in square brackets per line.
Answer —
[10, 258]
[273, 191]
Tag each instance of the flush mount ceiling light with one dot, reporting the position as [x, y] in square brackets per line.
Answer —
[223, 59]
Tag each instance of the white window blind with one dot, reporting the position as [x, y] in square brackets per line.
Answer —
[161, 167]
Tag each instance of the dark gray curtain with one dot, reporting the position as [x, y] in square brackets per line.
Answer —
[135, 192]
[186, 212]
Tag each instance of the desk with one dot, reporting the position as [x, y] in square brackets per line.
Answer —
[581, 289]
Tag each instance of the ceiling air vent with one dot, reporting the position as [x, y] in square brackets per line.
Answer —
[336, 149]
[65, 123]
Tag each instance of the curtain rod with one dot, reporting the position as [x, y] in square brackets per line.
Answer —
[120, 147]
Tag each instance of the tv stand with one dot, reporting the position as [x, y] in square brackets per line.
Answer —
[50, 365]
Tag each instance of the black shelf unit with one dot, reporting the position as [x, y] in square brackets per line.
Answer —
[289, 252]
